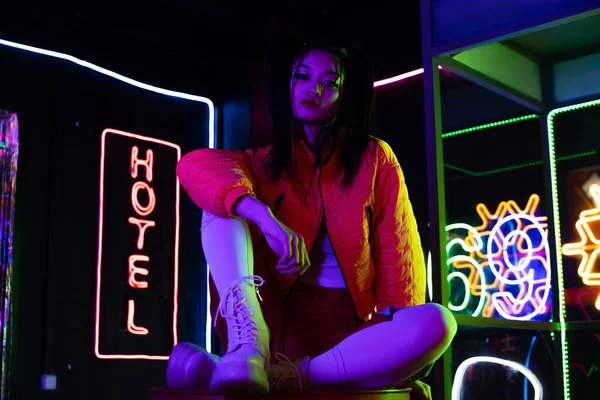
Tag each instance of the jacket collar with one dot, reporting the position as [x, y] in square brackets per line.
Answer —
[330, 151]
[308, 163]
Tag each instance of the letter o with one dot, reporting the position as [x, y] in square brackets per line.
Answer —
[143, 210]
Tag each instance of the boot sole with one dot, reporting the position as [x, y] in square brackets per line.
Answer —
[239, 378]
[177, 365]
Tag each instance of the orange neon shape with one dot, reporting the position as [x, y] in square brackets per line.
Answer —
[489, 220]
[588, 246]
[131, 327]
[133, 271]
[99, 264]
[135, 162]
[142, 224]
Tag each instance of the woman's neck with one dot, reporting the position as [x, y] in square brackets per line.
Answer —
[314, 135]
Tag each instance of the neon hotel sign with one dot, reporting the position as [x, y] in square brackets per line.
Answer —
[138, 242]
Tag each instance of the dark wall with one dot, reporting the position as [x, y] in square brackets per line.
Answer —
[401, 123]
[62, 110]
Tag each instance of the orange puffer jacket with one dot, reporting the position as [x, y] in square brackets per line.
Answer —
[371, 224]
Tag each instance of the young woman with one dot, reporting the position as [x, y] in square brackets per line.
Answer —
[313, 247]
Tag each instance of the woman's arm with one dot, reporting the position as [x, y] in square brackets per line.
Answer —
[216, 179]
[397, 251]
[287, 244]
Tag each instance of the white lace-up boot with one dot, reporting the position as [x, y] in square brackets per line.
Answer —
[190, 367]
[243, 369]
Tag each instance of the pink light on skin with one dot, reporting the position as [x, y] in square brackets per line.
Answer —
[400, 77]
[133, 271]
[131, 327]
[142, 224]
[315, 91]
[131, 305]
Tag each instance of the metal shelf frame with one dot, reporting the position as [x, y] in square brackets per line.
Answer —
[444, 55]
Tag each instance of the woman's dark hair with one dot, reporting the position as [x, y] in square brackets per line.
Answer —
[353, 124]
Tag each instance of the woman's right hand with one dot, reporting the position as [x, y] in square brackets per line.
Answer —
[287, 244]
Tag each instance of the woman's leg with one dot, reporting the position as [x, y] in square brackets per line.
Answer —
[228, 249]
[227, 246]
[386, 353]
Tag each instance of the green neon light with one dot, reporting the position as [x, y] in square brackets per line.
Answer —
[465, 171]
[490, 125]
[493, 171]
[518, 166]
[587, 153]
[555, 208]
[557, 236]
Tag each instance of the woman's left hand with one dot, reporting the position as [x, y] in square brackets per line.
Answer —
[420, 390]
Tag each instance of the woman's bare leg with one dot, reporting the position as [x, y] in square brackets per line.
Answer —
[386, 353]
[227, 246]
[228, 249]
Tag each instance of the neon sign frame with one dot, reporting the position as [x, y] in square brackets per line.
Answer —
[131, 327]
[588, 247]
[499, 263]
[557, 236]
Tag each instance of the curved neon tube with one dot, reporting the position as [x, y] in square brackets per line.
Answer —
[538, 391]
[122, 78]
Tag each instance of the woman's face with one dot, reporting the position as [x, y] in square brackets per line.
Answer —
[315, 87]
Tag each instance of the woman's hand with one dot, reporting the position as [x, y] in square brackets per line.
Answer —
[288, 245]
[420, 390]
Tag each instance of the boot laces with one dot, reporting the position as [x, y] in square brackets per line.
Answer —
[287, 374]
[238, 312]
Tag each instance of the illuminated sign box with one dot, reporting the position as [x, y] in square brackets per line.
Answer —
[138, 242]
[503, 264]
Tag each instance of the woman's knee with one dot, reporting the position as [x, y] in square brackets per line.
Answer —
[209, 218]
[437, 323]
[441, 322]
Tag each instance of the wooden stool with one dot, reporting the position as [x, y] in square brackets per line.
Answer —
[387, 394]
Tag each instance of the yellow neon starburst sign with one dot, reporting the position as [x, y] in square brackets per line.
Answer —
[589, 245]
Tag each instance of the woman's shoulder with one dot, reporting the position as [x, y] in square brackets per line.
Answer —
[380, 149]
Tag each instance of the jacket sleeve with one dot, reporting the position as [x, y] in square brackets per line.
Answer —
[216, 179]
[397, 252]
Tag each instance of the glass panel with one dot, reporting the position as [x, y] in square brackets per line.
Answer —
[584, 365]
[498, 251]
[576, 160]
[503, 364]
